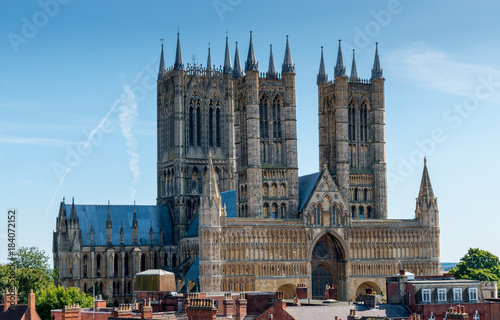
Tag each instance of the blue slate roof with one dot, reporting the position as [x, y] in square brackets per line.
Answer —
[193, 228]
[228, 199]
[306, 186]
[158, 215]
[194, 270]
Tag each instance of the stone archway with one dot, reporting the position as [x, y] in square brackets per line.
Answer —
[288, 290]
[328, 267]
[365, 287]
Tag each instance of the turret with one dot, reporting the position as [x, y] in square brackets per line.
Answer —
[237, 71]
[339, 67]
[122, 232]
[322, 76]
[151, 234]
[209, 62]
[228, 69]
[251, 64]
[379, 165]
[377, 70]
[91, 233]
[354, 71]
[271, 70]
[288, 66]
[179, 63]
[341, 127]
[212, 217]
[162, 68]
[427, 209]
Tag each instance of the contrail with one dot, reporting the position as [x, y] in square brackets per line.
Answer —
[98, 127]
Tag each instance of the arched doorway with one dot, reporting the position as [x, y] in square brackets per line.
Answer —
[288, 290]
[328, 265]
[367, 287]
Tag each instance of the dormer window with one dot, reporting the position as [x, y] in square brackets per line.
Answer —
[426, 295]
[457, 294]
[472, 294]
[441, 295]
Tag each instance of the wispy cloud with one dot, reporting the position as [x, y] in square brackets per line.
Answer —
[34, 141]
[437, 70]
[128, 114]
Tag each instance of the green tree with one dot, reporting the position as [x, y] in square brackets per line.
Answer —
[97, 291]
[58, 297]
[31, 271]
[478, 265]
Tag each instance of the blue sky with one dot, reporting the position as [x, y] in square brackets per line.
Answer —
[74, 69]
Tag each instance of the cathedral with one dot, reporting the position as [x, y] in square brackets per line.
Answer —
[232, 214]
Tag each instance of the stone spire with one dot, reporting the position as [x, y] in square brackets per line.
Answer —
[271, 71]
[322, 76]
[288, 66]
[108, 221]
[162, 64]
[209, 62]
[426, 194]
[210, 187]
[377, 70]
[227, 60]
[237, 71]
[251, 64]
[354, 70]
[179, 64]
[339, 67]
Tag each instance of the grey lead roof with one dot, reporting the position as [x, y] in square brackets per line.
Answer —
[306, 186]
[96, 216]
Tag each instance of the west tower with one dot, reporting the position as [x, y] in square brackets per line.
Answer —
[351, 135]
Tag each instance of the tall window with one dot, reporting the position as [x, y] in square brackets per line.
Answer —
[98, 271]
[198, 123]
[115, 265]
[277, 118]
[426, 295]
[351, 119]
[211, 125]
[217, 127]
[363, 123]
[85, 266]
[263, 116]
[191, 124]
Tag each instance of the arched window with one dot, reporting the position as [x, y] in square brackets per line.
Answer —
[355, 194]
[85, 266]
[333, 219]
[274, 190]
[266, 210]
[143, 262]
[263, 116]
[353, 211]
[115, 265]
[351, 119]
[275, 210]
[361, 212]
[318, 215]
[283, 190]
[211, 125]
[198, 123]
[191, 123]
[277, 117]
[369, 212]
[265, 190]
[365, 194]
[126, 267]
[363, 120]
[217, 127]
[283, 211]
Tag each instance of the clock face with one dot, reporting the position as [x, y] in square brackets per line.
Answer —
[321, 249]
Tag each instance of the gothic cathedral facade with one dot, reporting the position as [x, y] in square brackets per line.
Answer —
[232, 214]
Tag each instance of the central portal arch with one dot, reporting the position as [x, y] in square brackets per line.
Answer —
[328, 265]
